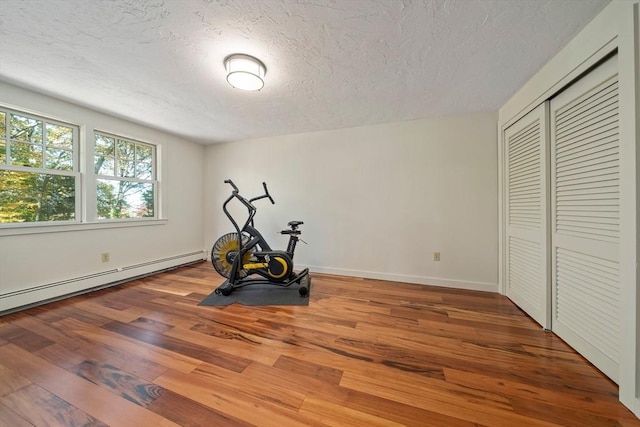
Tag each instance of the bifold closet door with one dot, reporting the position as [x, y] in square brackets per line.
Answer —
[527, 243]
[585, 216]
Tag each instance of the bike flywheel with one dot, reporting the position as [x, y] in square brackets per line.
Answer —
[222, 248]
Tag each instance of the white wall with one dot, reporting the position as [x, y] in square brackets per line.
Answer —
[377, 201]
[617, 27]
[67, 258]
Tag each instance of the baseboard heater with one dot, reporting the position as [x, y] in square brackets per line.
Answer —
[46, 293]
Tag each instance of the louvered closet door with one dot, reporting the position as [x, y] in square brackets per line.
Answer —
[585, 216]
[527, 278]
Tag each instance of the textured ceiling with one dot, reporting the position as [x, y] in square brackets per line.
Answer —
[330, 64]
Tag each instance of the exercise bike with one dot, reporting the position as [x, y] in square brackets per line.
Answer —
[243, 253]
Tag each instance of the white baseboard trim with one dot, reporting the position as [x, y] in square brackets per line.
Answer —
[420, 280]
[633, 403]
[36, 295]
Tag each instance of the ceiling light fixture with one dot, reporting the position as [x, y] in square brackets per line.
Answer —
[245, 72]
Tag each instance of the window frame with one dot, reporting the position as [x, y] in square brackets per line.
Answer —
[75, 171]
[85, 181]
[154, 180]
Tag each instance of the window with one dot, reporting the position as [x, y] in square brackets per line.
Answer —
[48, 176]
[126, 177]
[39, 176]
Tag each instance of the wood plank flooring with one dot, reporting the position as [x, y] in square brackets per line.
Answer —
[363, 353]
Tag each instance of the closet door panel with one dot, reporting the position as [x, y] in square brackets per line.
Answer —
[526, 204]
[586, 216]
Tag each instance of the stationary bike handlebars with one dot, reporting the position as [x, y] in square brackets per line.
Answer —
[235, 188]
[247, 203]
[236, 193]
[266, 192]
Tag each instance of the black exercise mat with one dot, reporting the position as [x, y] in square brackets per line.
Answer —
[259, 295]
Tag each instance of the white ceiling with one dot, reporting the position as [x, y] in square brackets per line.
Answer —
[330, 63]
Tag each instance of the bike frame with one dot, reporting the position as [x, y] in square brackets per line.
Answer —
[263, 250]
[255, 238]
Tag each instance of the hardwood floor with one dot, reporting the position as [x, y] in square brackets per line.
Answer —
[363, 353]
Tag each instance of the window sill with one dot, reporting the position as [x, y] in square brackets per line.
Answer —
[32, 228]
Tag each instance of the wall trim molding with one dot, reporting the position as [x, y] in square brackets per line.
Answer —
[48, 292]
[419, 280]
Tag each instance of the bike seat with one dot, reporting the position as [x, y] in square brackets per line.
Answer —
[295, 223]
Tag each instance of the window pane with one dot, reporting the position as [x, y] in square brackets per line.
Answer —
[125, 149]
[60, 136]
[36, 197]
[3, 152]
[25, 154]
[3, 125]
[104, 166]
[26, 129]
[59, 159]
[126, 169]
[144, 171]
[124, 199]
[105, 145]
[143, 153]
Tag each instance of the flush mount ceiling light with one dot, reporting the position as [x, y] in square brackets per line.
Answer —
[245, 72]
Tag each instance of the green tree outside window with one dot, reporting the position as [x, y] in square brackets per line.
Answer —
[126, 177]
[37, 170]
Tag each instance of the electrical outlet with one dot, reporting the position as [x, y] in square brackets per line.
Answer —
[436, 256]
[105, 256]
